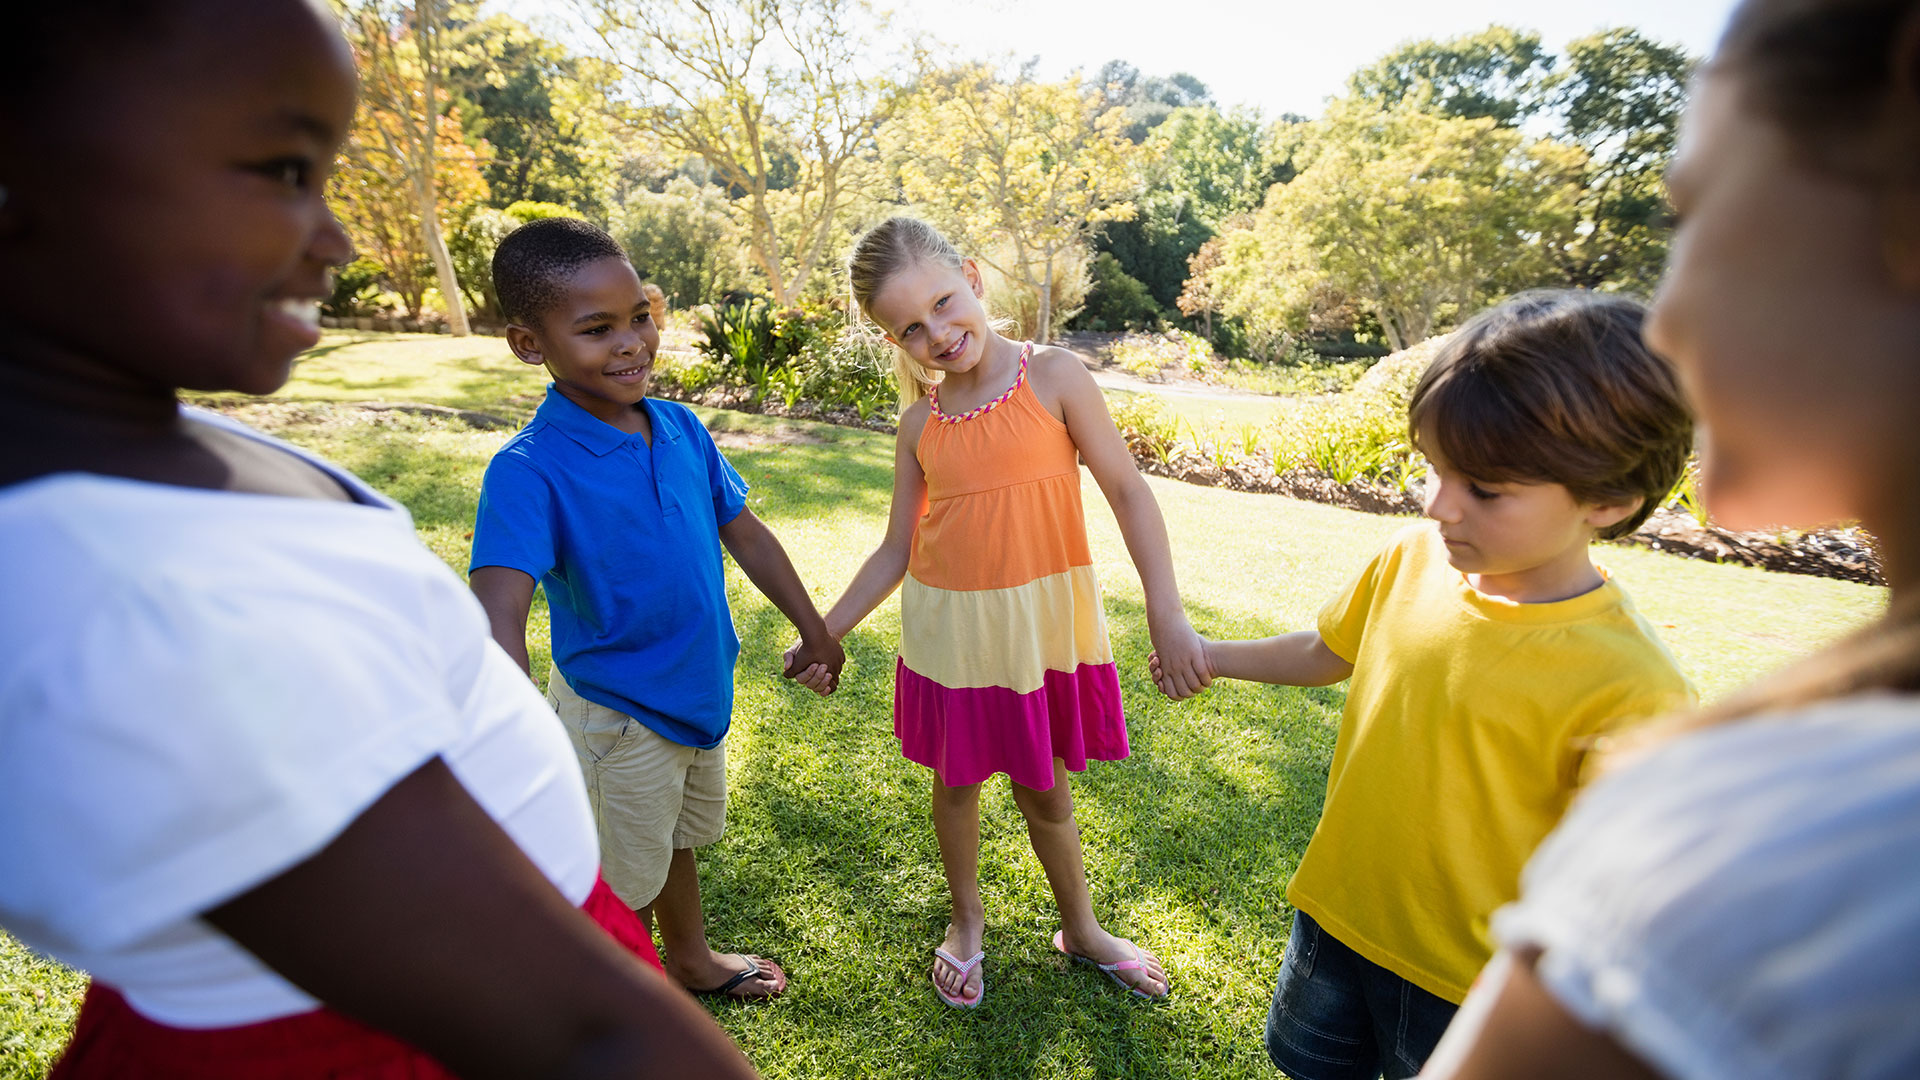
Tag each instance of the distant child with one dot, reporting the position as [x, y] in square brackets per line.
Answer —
[618, 505]
[1004, 665]
[1487, 654]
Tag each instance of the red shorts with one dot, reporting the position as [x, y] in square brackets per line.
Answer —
[111, 1040]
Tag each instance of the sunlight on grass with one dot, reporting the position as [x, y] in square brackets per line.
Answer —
[830, 864]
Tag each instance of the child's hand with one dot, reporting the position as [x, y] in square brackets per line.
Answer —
[1178, 662]
[815, 665]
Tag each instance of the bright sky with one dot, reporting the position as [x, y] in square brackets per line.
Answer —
[1280, 56]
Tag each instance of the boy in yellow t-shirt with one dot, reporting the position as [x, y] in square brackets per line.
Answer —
[1486, 652]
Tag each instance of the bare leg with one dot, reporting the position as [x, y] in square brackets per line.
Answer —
[683, 937]
[956, 823]
[1056, 840]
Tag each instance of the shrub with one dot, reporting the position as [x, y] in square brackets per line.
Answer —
[1116, 300]
[355, 287]
[1147, 355]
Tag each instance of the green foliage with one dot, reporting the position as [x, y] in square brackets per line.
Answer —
[355, 286]
[1116, 301]
[1148, 355]
[475, 235]
[684, 240]
[1495, 74]
[1417, 218]
[1686, 494]
[1621, 96]
[790, 356]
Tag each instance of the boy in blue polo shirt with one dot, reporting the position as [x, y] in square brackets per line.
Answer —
[618, 505]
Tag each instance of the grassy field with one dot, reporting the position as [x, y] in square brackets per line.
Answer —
[830, 864]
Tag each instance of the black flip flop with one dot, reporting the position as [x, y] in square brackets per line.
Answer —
[752, 971]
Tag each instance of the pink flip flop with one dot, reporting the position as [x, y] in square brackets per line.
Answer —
[964, 969]
[1113, 971]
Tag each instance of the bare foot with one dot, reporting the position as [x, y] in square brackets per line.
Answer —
[960, 944]
[733, 975]
[1149, 978]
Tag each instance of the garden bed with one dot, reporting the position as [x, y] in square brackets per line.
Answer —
[1846, 554]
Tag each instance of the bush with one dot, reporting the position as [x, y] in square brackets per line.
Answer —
[793, 355]
[1116, 300]
[1148, 355]
[355, 288]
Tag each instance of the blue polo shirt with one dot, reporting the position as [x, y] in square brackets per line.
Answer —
[624, 537]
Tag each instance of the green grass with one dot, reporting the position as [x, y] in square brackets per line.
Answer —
[830, 863]
[1208, 411]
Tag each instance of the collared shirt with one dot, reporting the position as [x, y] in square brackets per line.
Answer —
[624, 538]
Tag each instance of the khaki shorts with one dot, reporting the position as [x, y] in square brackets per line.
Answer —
[650, 795]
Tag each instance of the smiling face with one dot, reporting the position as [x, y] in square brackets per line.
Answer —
[598, 341]
[934, 313]
[1785, 317]
[1524, 541]
[165, 226]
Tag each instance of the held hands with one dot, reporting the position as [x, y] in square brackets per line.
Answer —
[1178, 662]
[814, 664]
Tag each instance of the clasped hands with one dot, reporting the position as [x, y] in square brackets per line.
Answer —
[814, 664]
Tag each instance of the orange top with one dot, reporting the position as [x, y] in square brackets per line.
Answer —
[1003, 495]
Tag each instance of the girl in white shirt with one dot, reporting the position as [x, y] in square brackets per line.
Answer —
[263, 772]
[1742, 897]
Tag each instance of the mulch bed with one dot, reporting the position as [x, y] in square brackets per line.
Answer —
[1846, 554]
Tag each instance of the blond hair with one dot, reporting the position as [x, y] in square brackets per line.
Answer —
[883, 251]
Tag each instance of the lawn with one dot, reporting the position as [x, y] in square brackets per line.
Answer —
[830, 864]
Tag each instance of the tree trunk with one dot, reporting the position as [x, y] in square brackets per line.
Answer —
[1043, 331]
[426, 27]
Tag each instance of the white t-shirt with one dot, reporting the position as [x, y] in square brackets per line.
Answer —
[1746, 901]
[202, 688]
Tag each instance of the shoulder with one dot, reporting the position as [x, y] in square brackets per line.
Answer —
[913, 420]
[1716, 897]
[1058, 369]
[530, 448]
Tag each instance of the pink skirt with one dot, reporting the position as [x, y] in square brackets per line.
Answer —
[110, 1040]
[966, 735]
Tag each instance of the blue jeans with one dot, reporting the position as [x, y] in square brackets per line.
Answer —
[1338, 1016]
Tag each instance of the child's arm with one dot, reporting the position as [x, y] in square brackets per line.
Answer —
[507, 596]
[1065, 379]
[887, 566]
[766, 564]
[1297, 659]
[425, 920]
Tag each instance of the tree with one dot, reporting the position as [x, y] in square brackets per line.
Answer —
[682, 240]
[1149, 100]
[1620, 98]
[542, 113]
[775, 96]
[1418, 217]
[1495, 73]
[1032, 167]
[1201, 297]
[401, 79]
[379, 205]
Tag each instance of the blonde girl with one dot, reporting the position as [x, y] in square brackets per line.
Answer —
[1004, 664]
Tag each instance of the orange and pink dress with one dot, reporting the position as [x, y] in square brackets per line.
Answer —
[1004, 663]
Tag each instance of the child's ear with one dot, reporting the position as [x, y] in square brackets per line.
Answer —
[974, 281]
[525, 345]
[1605, 515]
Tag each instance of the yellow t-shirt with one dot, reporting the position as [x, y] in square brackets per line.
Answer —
[1460, 747]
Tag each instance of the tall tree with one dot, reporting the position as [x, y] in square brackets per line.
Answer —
[400, 57]
[1495, 73]
[1620, 97]
[1017, 165]
[775, 95]
[1419, 217]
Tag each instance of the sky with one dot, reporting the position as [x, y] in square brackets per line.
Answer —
[1279, 56]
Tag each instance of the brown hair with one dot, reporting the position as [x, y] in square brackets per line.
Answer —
[1826, 73]
[881, 252]
[1555, 386]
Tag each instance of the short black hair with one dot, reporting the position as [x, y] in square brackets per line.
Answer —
[1556, 386]
[530, 264]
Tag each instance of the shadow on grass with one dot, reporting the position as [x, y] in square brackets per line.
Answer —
[831, 861]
